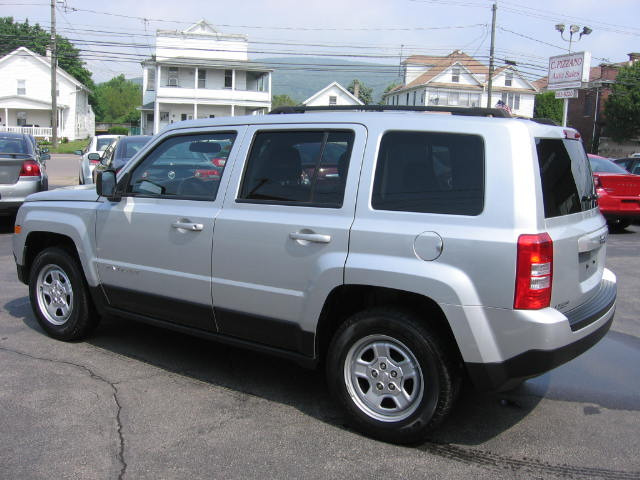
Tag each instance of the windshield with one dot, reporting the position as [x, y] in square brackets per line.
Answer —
[606, 166]
[103, 143]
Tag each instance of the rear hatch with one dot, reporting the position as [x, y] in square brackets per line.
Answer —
[10, 166]
[573, 221]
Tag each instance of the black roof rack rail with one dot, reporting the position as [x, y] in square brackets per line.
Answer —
[468, 111]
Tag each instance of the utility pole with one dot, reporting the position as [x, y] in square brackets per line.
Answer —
[491, 52]
[54, 62]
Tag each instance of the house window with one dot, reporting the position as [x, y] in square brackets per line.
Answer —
[173, 77]
[333, 100]
[474, 100]
[407, 101]
[508, 79]
[454, 98]
[434, 99]
[414, 97]
[511, 99]
[455, 75]
[228, 79]
[21, 118]
[22, 87]
[151, 79]
[202, 79]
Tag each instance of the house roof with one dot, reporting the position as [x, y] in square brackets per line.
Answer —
[440, 64]
[329, 87]
[24, 51]
[202, 28]
[28, 102]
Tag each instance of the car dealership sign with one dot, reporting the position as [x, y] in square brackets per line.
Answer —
[569, 71]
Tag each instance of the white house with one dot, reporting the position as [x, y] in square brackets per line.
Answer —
[201, 73]
[25, 98]
[332, 94]
[459, 80]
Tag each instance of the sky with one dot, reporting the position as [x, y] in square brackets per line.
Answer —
[115, 35]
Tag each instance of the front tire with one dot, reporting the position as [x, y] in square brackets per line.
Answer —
[59, 296]
[395, 377]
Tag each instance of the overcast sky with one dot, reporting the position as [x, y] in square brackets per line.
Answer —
[372, 31]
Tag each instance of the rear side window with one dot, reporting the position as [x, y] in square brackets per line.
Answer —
[567, 182]
[298, 167]
[430, 172]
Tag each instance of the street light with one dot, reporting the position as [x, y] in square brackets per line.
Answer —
[573, 29]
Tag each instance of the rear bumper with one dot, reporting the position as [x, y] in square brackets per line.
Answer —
[613, 207]
[553, 339]
[12, 196]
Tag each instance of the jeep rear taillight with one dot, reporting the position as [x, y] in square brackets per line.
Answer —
[30, 168]
[534, 272]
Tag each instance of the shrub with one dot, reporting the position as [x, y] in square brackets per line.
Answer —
[118, 130]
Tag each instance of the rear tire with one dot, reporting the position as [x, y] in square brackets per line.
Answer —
[60, 297]
[394, 376]
[619, 224]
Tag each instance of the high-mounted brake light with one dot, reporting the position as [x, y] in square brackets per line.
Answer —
[571, 134]
[30, 168]
[534, 272]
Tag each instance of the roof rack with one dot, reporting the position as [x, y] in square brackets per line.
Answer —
[469, 111]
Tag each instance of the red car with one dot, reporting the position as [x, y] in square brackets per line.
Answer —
[618, 192]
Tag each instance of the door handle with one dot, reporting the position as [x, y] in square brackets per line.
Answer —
[310, 237]
[193, 227]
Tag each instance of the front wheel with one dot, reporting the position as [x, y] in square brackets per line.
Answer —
[59, 296]
[394, 376]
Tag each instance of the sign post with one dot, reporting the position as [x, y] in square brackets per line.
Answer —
[568, 72]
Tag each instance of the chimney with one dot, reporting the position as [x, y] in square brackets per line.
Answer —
[356, 89]
[633, 57]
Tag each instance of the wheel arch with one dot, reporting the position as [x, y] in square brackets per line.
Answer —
[346, 300]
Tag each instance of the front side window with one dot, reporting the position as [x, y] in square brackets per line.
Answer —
[183, 167]
[430, 172]
[302, 167]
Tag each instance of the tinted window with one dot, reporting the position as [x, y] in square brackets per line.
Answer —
[567, 182]
[430, 172]
[604, 165]
[13, 145]
[186, 166]
[129, 147]
[306, 167]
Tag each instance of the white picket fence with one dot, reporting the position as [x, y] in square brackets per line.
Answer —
[45, 132]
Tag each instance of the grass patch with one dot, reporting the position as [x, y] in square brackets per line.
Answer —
[68, 147]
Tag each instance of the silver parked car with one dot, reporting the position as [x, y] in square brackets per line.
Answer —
[401, 251]
[22, 170]
[97, 145]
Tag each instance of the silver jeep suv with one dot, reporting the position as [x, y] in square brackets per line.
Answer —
[402, 251]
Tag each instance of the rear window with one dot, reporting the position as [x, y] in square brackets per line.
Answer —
[567, 181]
[13, 145]
[103, 143]
[430, 172]
[604, 165]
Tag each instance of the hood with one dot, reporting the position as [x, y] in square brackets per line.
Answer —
[78, 193]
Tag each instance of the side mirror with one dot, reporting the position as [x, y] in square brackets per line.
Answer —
[106, 185]
[44, 157]
[44, 150]
[77, 152]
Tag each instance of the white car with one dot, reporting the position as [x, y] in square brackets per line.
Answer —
[97, 144]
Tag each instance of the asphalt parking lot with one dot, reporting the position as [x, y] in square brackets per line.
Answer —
[134, 401]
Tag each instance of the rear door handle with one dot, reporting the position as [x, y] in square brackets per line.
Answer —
[310, 237]
[193, 227]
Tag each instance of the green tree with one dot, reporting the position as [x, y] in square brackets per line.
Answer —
[548, 106]
[283, 100]
[15, 34]
[622, 108]
[118, 99]
[365, 94]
